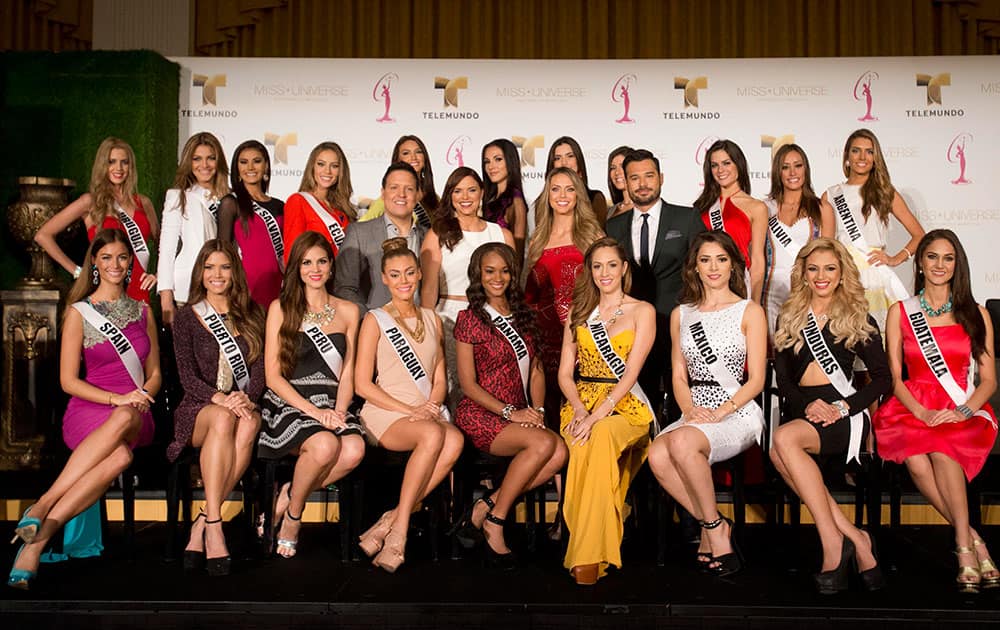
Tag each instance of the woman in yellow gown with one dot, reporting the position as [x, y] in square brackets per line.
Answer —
[606, 418]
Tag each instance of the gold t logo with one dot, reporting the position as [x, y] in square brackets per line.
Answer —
[208, 86]
[934, 85]
[528, 146]
[451, 88]
[775, 142]
[281, 144]
[690, 87]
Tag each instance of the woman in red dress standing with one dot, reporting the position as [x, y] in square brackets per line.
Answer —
[325, 190]
[941, 426]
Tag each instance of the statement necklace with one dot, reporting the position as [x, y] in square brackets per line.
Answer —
[934, 312]
[416, 333]
[614, 316]
[322, 318]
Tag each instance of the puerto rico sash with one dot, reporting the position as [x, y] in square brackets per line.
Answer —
[517, 344]
[932, 354]
[407, 355]
[118, 340]
[135, 237]
[828, 363]
[227, 343]
[614, 362]
[325, 348]
[715, 216]
[273, 231]
[332, 225]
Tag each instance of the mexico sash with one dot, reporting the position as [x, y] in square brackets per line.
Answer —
[325, 348]
[407, 355]
[273, 231]
[135, 237]
[517, 344]
[332, 225]
[118, 340]
[715, 216]
[614, 362]
[845, 217]
[828, 363]
[227, 343]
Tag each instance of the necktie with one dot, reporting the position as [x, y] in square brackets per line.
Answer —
[644, 241]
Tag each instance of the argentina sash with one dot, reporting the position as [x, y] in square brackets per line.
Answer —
[273, 231]
[517, 344]
[118, 340]
[227, 343]
[824, 357]
[332, 225]
[325, 348]
[135, 238]
[615, 363]
[407, 355]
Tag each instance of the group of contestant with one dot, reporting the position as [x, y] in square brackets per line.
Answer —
[284, 315]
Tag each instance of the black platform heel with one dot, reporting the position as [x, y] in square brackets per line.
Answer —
[195, 560]
[217, 566]
[498, 561]
[833, 581]
[872, 579]
[729, 563]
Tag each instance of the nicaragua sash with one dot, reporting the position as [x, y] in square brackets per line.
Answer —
[273, 231]
[325, 348]
[118, 340]
[135, 237]
[845, 217]
[517, 344]
[227, 343]
[407, 355]
[615, 363]
[932, 354]
[828, 363]
[422, 218]
[715, 216]
[332, 225]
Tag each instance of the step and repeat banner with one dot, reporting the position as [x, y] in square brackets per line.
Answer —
[936, 117]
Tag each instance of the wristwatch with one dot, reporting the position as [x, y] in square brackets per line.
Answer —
[965, 411]
[841, 407]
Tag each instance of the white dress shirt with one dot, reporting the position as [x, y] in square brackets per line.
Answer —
[654, 223]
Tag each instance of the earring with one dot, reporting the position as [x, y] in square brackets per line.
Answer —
[95, 275]
[128, 277]
[266, 177]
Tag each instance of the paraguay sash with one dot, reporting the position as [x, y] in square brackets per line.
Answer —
[715, 216]
[932, 354]
[614, 362]
[273, 231]
[422, 217]
[227, 343]
[118, 340]
[325, 348]
[407, 355]
[135, 237]
[845, 217]
[828, 363]
[517, 344]
[332, 225]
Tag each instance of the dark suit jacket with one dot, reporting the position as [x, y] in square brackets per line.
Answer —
[359, 264]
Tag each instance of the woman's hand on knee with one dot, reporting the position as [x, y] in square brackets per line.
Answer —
[822, 413]
[332, 419]
[139, 399]
[700, 415]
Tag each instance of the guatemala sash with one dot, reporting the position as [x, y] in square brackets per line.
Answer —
[118, 340]
[227, 343]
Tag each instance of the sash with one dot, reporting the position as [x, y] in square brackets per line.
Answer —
[407, 355]
[932, 354]
[227, 343]
[118, 340]
[422, 217]
[828, 363]
[845, 217]
[782, 238]
[715, 216]
[614, 362]
[273, 231]
[213, 209]
[135, 237]
[332, 225]
[517, 344]
[325, 348]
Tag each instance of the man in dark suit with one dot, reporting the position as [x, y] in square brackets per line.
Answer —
[656, 236]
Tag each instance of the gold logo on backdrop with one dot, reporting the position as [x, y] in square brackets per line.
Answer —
[451, 88]
[775, 142]
[528, 146]
[208, 86]
[281, 144]
[934, 85]
[690, 87]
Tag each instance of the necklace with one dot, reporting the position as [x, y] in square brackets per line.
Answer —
[322, 318]
[934, 312]
[614, 316]
[416, 333]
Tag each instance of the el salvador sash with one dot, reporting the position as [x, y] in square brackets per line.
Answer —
[325, 348]
[227, 343]
[517, 344]
[332, 225]
[615, 363]
[826, 360]
[407, 355]
[845, 217]
[273, 231]
[715, 216]
[135, 237]
[932, 354]
[118, 340]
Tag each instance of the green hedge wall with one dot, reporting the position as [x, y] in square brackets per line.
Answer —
[55, 108]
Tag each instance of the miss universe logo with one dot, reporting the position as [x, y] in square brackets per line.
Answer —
[700, 153]
[863, 91]
[621, 92]
[956, 155]
[455, 155]
[382, 93]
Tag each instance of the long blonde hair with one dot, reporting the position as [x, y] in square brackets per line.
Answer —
[185, 178]
[877, 192]
[586, 228]
[101, 189]
[848, 311]
[338, 195]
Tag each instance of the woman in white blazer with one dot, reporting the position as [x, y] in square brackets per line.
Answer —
[189, 217]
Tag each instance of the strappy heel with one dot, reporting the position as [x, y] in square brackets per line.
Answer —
[195, 560]
[27, 528]
[373, 539]
[494, 560]
[833, 581]
[467, 534]
[729, 563]
[285, 543]
[20, 578]
[968, 577]
[986, 565]
[392, 552]
[216, 566]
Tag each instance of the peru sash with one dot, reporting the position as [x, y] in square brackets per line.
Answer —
[517, 344]
[332, 225]
[615, 363]
[135, 237]
[118, 340]
[273, 231]
[828, 363]
[407, 355]
[715, 216]
[845, 217]
[325, 348]
[227, 343]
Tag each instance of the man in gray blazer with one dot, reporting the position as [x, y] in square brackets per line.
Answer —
[359, 262]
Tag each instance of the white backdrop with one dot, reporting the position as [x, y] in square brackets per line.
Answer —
[936, 118]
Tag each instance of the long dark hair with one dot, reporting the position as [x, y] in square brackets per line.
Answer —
[710, 193]
[244, 202]
[494, 203]
[877, 192]
[617, 196]
[446, 224]
[293, 296]
[84, 285]
[809, 203]
[581, 163]
[964, 305]
[693, 292]
[425, 178]
[524, 315]
[246, 315]
[585, 293]
[339, 195]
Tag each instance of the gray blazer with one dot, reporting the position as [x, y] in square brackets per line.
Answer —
[359, 264]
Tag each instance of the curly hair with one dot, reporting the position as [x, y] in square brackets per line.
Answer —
[692, 291]
[877, 192]
[848, 311]
[293, 296]
[585, 293]
[524, 315]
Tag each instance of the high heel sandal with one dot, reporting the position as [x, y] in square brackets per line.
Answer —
[495, 560]
[195, 560]
[872, 579]
[835, 580]
[216, 566]
[986, 565]
[371, 541]
[27, 528]
[285, 543]
[729, 563]
[20, 578]
[467, 534]
[391, 555]
[969, 577]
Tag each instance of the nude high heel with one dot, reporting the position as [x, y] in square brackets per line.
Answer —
[391, 555]
[372, 540]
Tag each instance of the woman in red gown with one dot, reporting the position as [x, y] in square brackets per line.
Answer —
[943, 436]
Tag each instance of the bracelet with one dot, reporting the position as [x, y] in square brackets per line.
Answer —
[965, 411]
[733, 403]
[508, 410]
[110, 396]
[77, 272]
[909, 254]
[540, 410]
[612, 401]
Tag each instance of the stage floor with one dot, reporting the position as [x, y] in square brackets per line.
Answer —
[316, 589]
